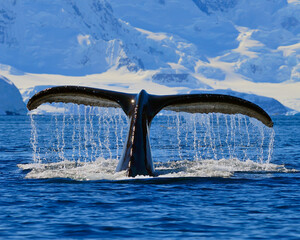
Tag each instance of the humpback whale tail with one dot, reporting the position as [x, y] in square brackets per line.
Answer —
[141, 108]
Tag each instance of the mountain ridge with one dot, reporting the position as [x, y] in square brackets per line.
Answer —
[197, 45]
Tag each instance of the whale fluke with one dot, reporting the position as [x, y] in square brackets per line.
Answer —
[141, 108]
[208, 103]
[82, 95]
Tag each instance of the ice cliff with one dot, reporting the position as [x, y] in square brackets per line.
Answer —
[11, 102]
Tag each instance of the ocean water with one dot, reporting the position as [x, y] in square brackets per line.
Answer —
[219, 178]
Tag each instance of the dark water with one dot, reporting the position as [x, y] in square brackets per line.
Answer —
[247, 205]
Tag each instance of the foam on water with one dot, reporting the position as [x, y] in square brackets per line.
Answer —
[99, 169]
[105, 169]
[85, 143]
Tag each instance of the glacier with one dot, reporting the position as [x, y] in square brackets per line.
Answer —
[245, 48]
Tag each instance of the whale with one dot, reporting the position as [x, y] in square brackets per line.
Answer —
[140, 109]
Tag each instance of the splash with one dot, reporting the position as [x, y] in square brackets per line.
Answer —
[101, 169]
[85, 143]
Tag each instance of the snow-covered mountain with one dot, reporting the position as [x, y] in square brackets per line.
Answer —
[259, 38]
[74, 37]
[11, 102]
[195, 45]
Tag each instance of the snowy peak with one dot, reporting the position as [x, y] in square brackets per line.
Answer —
[75, 37]
[57, 35]
[198, 44]
[250, 34]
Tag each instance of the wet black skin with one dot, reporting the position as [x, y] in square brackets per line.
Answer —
[137, 151]
[141, 109]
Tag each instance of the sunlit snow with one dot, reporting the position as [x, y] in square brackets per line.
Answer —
[165, 47]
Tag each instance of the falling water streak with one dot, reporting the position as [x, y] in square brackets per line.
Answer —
[206, 124]
[99, 131]
[72, 119]
[187, 130]
[248, 137]
[232, 139]
[115, 121]
[228, 137]
[232, 136]
[95, 131]
[219, 136]
[167, 143]
[161, 136]
[235, 143]
[107, 124]
[199, 146]
[243, 136]
[121, 122]
[239, 133]
[53, 138]
[85, 134]
[178, 135]
[79, 134]
[96, 135]
[57, 137]
[247, 131]
[174, 150]
[208, 144]
[205, 137]
[195, 137]
[213, 136]
[34, 140]
[170, 123]
[262, 143]
[271, 145]
[91, 138]
[63, 144]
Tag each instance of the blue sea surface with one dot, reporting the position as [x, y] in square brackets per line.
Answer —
[246, 205]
